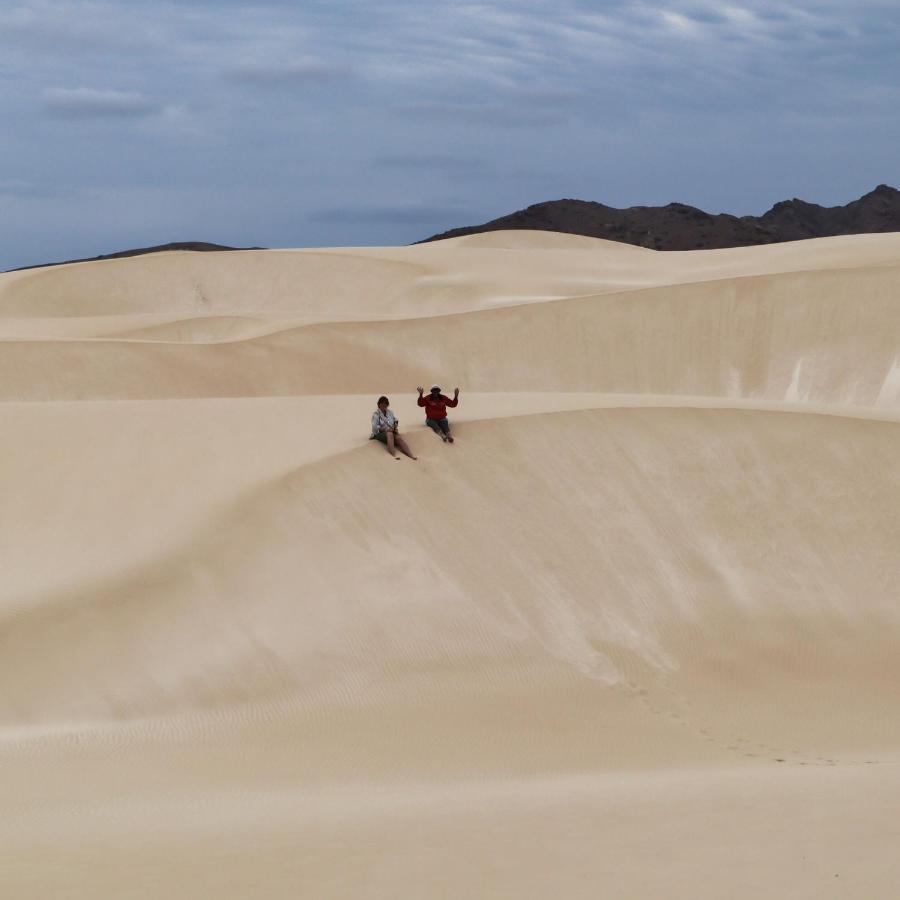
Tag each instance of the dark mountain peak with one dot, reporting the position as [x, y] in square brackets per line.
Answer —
[877, 211]
[681, 209]
[679, 226]
[883, 196]
[795, 203]
[565, 203]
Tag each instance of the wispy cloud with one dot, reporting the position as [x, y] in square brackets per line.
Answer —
[393, 215]
[293, 72]
[85, 102]
[18, 187]
[481, 113]
[467, 56]
[446, 162]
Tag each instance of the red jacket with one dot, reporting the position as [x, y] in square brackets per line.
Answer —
[437, 408]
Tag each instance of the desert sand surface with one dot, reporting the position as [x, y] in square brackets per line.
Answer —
[634, 635]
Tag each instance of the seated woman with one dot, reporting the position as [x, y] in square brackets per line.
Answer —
[384, 429]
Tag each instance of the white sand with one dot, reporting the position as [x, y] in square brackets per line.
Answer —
[635, 635]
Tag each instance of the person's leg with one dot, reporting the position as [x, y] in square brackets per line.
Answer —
[390, 444]
[404, 447]
[435, 426]
[445, 427]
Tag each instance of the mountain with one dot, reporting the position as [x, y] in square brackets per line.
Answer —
[792, 220]
[677, 226]
[159, 248]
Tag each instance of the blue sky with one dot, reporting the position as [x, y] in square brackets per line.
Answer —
[344, 122]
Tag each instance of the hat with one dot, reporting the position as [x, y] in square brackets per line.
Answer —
[435, 387]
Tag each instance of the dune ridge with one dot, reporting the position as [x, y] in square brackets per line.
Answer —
[634, 632]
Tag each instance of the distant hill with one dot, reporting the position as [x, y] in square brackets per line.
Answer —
[677, 226]
[159, 248]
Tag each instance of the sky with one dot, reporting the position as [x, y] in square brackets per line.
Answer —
[308, 123]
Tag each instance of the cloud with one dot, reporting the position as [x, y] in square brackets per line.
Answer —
[88, 103]
[680, 23]
[498, 114]
[303, 71]
[17, 187]
[467, 165]
[22, 189]
[390, 215]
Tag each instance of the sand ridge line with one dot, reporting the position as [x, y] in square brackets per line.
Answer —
[451, 267]
[486, 305]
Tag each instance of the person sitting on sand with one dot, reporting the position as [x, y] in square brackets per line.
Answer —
[385, 429]
[436, 411]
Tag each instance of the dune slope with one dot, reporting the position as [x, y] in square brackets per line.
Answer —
[632, 634]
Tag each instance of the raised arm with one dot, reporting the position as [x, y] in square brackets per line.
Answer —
[421, 400]
[455, 400]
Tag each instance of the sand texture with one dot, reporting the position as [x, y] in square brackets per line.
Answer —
[634, 635]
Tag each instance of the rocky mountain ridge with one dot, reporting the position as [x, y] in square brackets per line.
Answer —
[678, 226]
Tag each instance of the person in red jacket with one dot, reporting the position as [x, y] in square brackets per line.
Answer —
[436, 410]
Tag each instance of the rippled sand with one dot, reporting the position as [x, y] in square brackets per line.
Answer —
[634, 635]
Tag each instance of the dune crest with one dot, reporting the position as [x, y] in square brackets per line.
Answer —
[639, 620]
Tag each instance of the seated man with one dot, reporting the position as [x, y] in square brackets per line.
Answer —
[436, 411]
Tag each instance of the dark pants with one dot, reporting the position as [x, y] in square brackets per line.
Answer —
[438, 425]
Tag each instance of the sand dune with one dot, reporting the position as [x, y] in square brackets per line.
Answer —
[633, 635]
